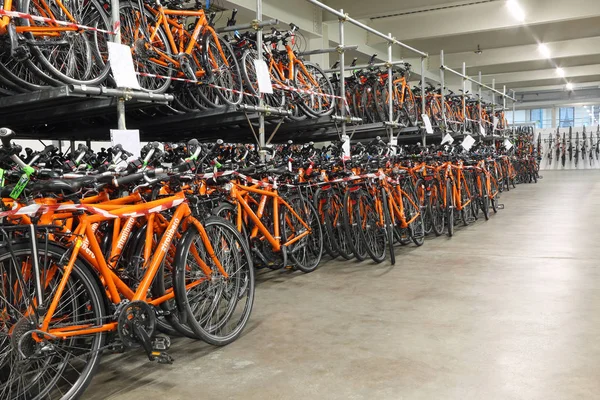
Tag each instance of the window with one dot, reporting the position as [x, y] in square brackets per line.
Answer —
[566, 117]
[537, 116]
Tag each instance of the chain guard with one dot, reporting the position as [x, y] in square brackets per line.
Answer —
[136, 312]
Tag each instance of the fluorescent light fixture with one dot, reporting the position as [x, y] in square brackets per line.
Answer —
[560, 72]
[516, 10]
[569, 86]
[544, 50]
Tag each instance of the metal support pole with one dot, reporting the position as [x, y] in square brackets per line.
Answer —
[390, 92]
[261, 102]
[423, 97]
[504, 106]
[464, 96]
[116, 21]
[479, 104]
[514, 96]
[494, 109]
[342, 60]
[443, 99]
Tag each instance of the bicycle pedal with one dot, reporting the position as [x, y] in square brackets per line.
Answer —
[161, 343]
[162, 357]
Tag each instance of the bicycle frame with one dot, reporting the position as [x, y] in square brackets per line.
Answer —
[115, 286]
[170, 25]
[238, 192]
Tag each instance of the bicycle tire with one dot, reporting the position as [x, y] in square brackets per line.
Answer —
[314, 105]
[412, 209]
[351, 225]
[449, 207]
[344, 244]
[305, 253]
[85, 298]
[372, 232]
[130, 18]
[436, 207]
[389, 229]
[202, 305]
[323, 205]
[224, 73]
[485, 197]
[89, 47]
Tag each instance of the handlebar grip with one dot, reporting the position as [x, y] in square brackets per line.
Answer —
[129, 179]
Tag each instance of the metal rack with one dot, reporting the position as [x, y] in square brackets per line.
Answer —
[343, 18]
[480, 85]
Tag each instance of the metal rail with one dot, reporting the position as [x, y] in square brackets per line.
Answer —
[364, 66]
[329, 50]
[340, 14]
[251, 25]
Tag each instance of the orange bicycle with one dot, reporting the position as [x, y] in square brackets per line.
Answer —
[164, 47]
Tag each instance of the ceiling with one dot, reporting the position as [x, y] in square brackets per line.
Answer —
[509, 53]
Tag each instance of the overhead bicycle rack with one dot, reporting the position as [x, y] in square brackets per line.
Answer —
[465, 78]
[69, 103]
[369, 130]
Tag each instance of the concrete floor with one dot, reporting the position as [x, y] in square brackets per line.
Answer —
[507, 309]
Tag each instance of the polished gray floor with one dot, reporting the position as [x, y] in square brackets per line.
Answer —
[506, 309]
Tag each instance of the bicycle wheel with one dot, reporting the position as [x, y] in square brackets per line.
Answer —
[410, 107]
[372, 229]
[485, 197]
[323, 206]
[344, 240]
[23, 76]
[306, 252]
[146, 56]
[351, 223]
[424, 199]
[413, 214]
[450, 207]
[311, 77]
[222, 69]
[48, 368]
[216, 307]
[75, 57]
[436, 208]
[389, 228]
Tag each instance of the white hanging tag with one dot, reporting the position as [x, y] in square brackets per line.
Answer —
[496, 121]
[468, 142]
[448, 139]
[263, 77]
[346, 146]
[507, 144]
[121, 64]
[427, 122]
[481, 130]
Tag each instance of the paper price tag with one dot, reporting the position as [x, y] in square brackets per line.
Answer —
[427, 122]
[263, 77]
[346, 146]
[496, 121]
[448, 139]
[481, 130]
[121, 64]
[507, 144]
[468, 142]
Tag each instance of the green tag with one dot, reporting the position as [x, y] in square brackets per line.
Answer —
[29, 170]
[20, 186]
[1, 177]
[218, 164]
